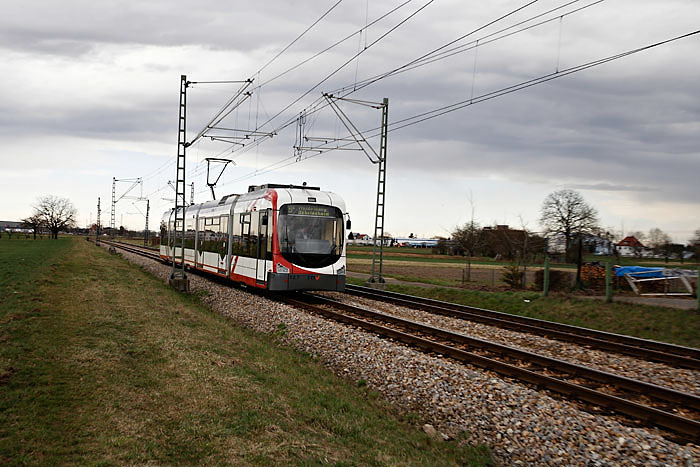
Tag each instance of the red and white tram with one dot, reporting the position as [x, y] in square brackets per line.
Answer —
[276, 237]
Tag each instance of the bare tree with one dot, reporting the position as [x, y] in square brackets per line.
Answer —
[658, 240]
[471, 238]
[34, 222]
[695, 243]
[56, 213]
[638, 247]
[565, 212]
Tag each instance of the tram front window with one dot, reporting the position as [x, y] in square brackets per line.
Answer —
[310, 235]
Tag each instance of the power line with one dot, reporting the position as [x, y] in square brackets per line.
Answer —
[335, 44]
[526, 84]
[319, 103]
[433, 57]
[225, 111]
[298, 37]
[454, 41]
[330, 75]
[257, 140]
[419, 118]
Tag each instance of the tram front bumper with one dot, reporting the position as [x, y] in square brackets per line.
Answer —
[277, 281]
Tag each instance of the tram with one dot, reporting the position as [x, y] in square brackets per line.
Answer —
[275, 237]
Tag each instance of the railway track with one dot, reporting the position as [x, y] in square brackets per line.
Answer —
[141, 250]
[655, 405]
[674, 355]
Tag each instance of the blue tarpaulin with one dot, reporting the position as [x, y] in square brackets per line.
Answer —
[639, 271]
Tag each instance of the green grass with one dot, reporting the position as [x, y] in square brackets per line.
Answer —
[419, 255]
[663, 324]
[419, 259]
[101, 363]
[360, 249]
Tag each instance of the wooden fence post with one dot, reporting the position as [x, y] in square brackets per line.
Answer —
[545, 284]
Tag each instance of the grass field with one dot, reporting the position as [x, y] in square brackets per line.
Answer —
[426, 255]
[101, 363]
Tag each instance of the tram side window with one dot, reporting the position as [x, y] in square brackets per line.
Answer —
[223, 236]
[269, 239]
[163, 233]
[171, 229]
[200, 234]
[244, 244]
[236, 236]
[211, 235]
[265, 237]
[189, 233]
[253, 236]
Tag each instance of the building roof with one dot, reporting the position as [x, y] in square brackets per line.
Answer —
[10, 225]
[631, 241]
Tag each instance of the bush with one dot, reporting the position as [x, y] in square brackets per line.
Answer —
[513, 276]
[558, 280]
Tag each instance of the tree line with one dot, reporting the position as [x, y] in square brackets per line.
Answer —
[566, 219]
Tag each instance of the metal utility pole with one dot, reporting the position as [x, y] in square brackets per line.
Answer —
[148, 209]
[381, 187]
[191, 193]
[111, 219]
[545, 280]
[97, 226]
[379, 159]
[134, 182]
[146, 232]
[178, 278]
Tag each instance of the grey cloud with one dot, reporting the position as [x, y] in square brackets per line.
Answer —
[626, 126]
[607, 187]
[73, 27]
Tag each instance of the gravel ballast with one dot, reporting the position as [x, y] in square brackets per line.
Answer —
[680, 379]
[521, 425]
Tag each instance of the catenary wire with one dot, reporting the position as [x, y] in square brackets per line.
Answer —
[319, 103]
[419, 118]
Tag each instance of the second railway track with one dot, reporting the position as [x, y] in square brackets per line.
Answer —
[673, 355]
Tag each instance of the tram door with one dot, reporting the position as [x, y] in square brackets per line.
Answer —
[264, 247]
[222, 243]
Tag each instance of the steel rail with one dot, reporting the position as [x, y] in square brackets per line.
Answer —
[686, 357]
[133, 245]
[676, 423]
[659, 392]
[136, 249]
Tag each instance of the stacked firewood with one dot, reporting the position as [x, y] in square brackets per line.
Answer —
[593, 275]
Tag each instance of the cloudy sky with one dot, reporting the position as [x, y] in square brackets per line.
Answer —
[90, 92]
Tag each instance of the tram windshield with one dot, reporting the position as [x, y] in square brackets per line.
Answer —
[310, 235]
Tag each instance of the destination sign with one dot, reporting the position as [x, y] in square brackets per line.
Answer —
[311, 210]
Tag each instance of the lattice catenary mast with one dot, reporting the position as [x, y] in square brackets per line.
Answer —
[178, 278]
